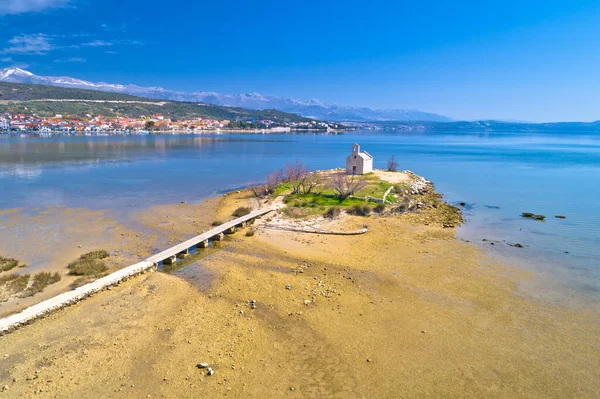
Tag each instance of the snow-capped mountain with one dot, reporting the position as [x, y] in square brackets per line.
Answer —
[311, 108]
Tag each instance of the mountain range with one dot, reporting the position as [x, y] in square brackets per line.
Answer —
[311, 108]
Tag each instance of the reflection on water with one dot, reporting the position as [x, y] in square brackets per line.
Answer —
[500, 174]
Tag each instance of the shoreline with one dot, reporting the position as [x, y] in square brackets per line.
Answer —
[169, 132]
[434, 303]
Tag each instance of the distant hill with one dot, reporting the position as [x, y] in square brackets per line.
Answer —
[50, 100]
[311, 109]
[495, 126]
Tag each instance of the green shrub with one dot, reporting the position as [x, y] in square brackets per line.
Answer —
[379, 208]
[360, 210]
[89, 264]
[250, 233]
[332, 213]
[241, 211]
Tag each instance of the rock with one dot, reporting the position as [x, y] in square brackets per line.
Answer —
[527, 214]
[539, 217]
[292, 389]
[288, 287]
[202, 365]
[560, 217]
[463, 204]
[210, 371]
[517, 245]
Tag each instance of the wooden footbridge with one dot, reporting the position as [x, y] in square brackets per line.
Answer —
[166, 257]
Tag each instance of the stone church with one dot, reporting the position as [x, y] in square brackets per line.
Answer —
[359, 162]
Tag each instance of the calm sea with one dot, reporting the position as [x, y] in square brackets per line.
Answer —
[498, 174]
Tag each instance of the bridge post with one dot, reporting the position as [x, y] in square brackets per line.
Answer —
[218, 237]
[170, 260]
[184, 254]
[202, 244]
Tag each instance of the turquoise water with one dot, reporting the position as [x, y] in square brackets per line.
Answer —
[499, 175]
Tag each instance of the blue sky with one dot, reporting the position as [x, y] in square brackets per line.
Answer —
[523, 60]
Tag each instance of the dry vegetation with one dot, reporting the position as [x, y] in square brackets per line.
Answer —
[241, 211]
[90, 264]
[41, 281]
[7, 264]
[11, 285]
[18, 285]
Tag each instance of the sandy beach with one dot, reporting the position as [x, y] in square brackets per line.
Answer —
[402, 311]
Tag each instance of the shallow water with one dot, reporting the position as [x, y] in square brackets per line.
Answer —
[498, 174]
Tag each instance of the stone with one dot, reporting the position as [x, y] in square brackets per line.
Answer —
[527, 214]
[539, 217]
[202, 365]
[288, 287]
[560, 217]
[210, 371]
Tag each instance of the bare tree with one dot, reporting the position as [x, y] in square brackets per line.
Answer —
[392, 164]
[258, 190]
[273, 180]
[346, 185]
[312, 183]
[296, 174]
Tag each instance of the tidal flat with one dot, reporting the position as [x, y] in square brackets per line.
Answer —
[405, 310]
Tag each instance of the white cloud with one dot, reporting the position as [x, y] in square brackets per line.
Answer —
[72, 59]
[98, 43]
[6, 59]
[29, 44]
[12, 7]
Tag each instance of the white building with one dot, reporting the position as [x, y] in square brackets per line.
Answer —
[359, 163]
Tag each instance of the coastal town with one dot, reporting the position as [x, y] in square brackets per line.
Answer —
[143, 124]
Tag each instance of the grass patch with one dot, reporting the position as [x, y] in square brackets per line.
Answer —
[375, 189]
[250, 233]
[319, 200]
[89, 264]
[282, 189]
[305, 205]
[40, 281]
[241, 211]
[7, 264]
[12, 285]
[217, 223]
